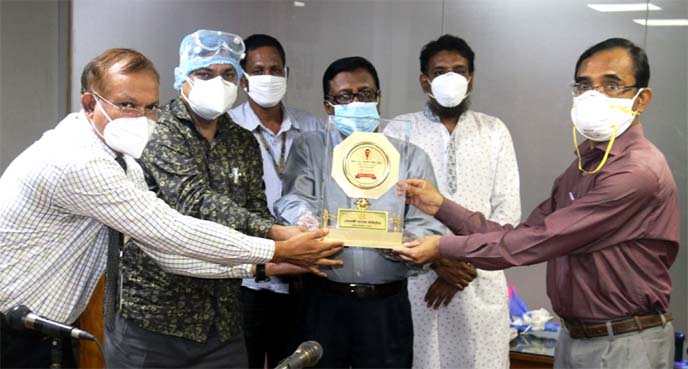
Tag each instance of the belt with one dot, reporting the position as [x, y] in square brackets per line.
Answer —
[637, 323]
[363, 290]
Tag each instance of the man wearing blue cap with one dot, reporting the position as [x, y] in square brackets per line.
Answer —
[66, 201]
[206, 166]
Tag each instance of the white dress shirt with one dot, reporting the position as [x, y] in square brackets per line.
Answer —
[294, 122]
[473, 330]
[57, 199]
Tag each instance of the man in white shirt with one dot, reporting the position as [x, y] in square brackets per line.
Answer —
[275, 126]
[475, 165]
[59, 198]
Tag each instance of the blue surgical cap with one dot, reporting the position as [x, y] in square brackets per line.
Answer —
[203, 48]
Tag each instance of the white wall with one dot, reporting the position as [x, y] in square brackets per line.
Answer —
[33, 71]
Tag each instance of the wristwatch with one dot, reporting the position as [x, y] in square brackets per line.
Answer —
[261, 276]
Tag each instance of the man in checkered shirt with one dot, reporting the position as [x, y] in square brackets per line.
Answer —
[60, 197]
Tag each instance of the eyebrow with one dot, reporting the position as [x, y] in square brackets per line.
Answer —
[267, 66]
[608, 76]
[230, 68]
[128, 98]
[613, 76]
[453, 66]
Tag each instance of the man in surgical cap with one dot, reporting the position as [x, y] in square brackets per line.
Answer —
[203, 164]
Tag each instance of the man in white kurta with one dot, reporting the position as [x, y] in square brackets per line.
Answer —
[475, 165]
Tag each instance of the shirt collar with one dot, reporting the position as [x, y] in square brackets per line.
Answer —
[621, 143]
[252, 121]
[179, 109]
[427, 112]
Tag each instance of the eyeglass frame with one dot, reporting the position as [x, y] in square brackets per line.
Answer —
[610, 90]
[131, 112]
[354, 96]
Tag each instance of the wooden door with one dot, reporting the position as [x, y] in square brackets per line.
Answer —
[93, 321]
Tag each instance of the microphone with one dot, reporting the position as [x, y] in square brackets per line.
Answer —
[306, 355]
[21, 317]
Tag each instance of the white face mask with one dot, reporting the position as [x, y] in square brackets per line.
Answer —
[449, 89]
[598, 117]
[266, 90]
[127, 135]
[212, 98]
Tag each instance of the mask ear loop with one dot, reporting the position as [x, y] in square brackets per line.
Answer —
[429, 83]
[627, 110]
[181, 89]
[624, 109]
[604, 158]
[246, 75]
[468, 84]
[102, 109]
[90, 122]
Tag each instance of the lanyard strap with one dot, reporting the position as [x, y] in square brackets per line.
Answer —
[279, 166]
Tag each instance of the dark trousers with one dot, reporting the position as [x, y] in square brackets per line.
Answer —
[30, 349]
[271, 325]
[130, 346]
[359, 332]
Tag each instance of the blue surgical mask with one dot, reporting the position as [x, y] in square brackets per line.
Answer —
[345, 117]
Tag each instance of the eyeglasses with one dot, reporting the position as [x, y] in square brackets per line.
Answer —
[152, 112]
[347, 97]
[610, 90]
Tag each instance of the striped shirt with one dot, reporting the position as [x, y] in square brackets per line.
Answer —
[57, 199]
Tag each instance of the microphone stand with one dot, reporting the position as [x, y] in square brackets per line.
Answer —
[56, 353]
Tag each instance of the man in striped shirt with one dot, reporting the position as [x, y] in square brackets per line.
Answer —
[61, 197]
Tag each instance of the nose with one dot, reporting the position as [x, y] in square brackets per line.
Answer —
[599, 88]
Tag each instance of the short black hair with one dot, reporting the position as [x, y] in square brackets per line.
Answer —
[641, 65]
[259, 40]
[348, 64]
[446, 43]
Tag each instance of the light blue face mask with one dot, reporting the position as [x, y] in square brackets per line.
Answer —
[347, 117]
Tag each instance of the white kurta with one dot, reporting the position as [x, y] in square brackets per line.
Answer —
[473, 330]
